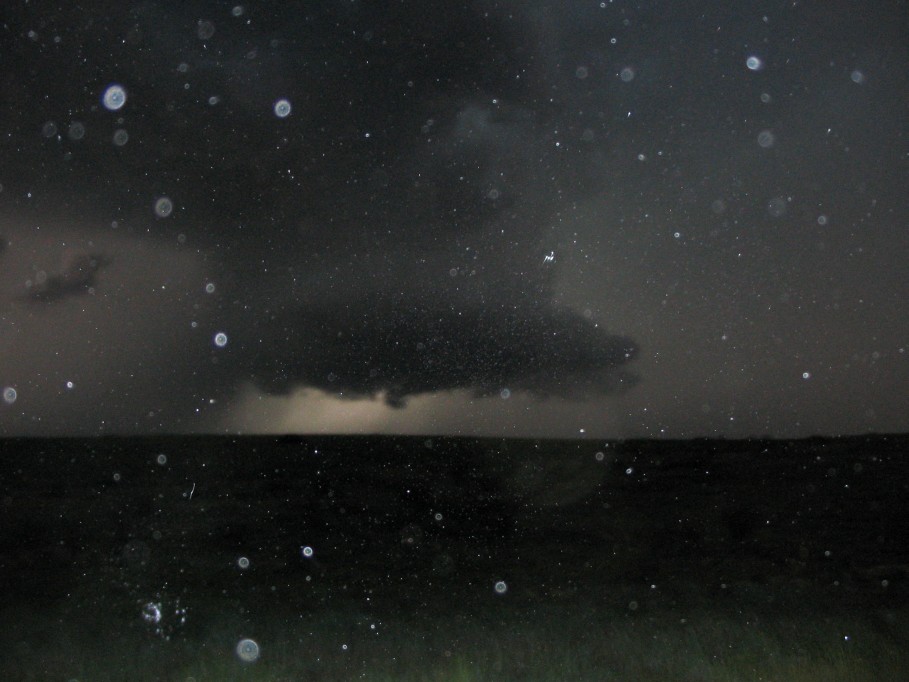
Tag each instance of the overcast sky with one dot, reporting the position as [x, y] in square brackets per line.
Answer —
[568, 219]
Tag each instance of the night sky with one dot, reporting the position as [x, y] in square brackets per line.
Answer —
[513, 218]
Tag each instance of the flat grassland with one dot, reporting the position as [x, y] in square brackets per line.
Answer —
[401, 558]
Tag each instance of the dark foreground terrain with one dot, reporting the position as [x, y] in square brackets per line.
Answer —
[440, 558]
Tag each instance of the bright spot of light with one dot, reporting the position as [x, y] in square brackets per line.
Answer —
[164, 207]
[114, 97]
[247, 650]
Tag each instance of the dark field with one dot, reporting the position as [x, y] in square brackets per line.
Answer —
[454, 559]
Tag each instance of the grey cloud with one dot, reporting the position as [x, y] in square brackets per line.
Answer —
[77, 277]
[456, 295]
[397, 167]
[374, 348]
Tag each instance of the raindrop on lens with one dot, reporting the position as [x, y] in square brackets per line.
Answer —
[776, 207]
[220, 339]
[9, 395]
[114, 97]
[121, 137]
[164, 207]
[247, 650]
[76, 131]
[766, 139]
[205, 30]
[243, 562]
[282, 108]
[151, 612]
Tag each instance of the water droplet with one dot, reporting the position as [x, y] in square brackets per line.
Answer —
[114, 97]
[766, 139]
[205, 30]
[164, 207]
[76, 131]
[151, 612]
[282, 108]
[247, 650]
[776, 207]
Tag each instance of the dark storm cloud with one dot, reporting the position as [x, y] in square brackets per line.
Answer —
[443, 283]
[375, 347]
[421, 144]
[388, 237]
[77, 277]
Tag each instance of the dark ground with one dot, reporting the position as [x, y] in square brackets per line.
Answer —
[425, 524]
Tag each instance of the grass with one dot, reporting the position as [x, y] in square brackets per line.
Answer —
[504, 641]
[775, 566]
